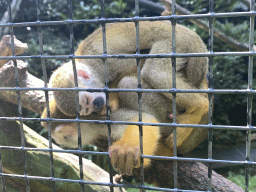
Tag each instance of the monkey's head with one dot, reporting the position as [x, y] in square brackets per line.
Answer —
[66, 133]
[89, 101]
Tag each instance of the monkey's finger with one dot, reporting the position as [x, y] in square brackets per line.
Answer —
[113, 153]
[121, 160]
[137, 156]
[129, 165]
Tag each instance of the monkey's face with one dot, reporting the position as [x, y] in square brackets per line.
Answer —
[89, 101]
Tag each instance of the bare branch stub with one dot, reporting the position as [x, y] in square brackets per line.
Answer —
[31, 99]
[6, 48]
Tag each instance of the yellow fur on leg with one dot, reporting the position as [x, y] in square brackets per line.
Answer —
[194, 114]
[125, 153]
[189, 138]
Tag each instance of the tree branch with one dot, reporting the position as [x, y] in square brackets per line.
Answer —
[66, 165]
[225, 38]
[182, 11]
[15, 6]
[31, 99]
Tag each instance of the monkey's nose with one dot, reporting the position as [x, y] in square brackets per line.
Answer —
[98, 103]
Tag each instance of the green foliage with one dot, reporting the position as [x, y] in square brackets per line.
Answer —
[220, 6]
[90, 9]
[239, 179]
[53, 45]
[100, 160]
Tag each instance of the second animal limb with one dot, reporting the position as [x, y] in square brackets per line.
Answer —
[158, 105]
[157, 73]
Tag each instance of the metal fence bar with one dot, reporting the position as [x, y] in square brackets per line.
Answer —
[210, 131]
[251, 163]
[112, 20]
[1, 171]
[215, 91]
[71, 33]
[97, 183]
[40, 39]
[174, 111]
[252, 128]
[137, 56]
[104, 41]
[249, 97]
[18, 97]
[137, 9]
[142, 56]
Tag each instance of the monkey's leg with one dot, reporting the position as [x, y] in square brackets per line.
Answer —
[188, 138]
[158, 74]
[125, 153]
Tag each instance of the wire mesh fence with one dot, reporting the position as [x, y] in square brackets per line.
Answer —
[175, 159]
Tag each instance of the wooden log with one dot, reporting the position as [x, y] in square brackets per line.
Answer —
[33, 100]
[191, 176]
[66, 166]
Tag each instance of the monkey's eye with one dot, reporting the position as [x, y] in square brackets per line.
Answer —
[182, 111]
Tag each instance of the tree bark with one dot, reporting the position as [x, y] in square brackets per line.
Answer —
[66, 166]
[15, 6]
[191, 175]
[33, 100]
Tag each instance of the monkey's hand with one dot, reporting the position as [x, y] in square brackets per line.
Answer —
[125, 153]
[124, 157]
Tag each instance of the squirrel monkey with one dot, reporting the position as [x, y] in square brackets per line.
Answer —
[156, 74]
[155, 36]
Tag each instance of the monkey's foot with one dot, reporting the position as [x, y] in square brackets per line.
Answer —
[125, 157]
